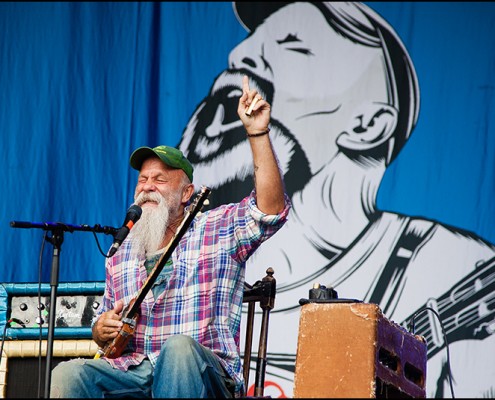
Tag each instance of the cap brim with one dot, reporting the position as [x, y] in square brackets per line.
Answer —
[141, 154]
[251, 14]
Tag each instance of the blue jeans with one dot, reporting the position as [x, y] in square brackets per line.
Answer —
[184, 369]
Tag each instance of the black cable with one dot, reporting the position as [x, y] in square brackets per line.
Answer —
[3, 339]
[40, 264]
[7, 325]
[412, 330]
[99, 247]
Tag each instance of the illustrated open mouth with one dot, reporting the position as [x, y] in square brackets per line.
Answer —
[215, 142]
[215, 127]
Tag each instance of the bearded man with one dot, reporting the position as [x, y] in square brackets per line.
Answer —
[186, 342]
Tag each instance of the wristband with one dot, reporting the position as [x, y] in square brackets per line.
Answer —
[258, 134]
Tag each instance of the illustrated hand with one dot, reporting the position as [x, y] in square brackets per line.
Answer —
[259, 117]
[108, 325]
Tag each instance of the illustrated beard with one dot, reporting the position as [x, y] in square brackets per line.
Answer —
[149, 231]
[215, 142]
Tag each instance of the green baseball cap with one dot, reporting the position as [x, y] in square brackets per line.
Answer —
[169, 155]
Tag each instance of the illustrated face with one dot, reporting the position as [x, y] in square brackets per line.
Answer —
[313, 78]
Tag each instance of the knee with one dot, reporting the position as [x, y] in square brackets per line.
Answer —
[178, 348]
[65, 377]
[67, 369]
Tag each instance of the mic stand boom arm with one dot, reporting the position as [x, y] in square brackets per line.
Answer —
[60, 226]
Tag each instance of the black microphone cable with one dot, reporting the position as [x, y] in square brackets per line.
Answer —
[133, 215]
[412, 330]
[40, 267]
[7, 325]
[3, 340]
[99, 247]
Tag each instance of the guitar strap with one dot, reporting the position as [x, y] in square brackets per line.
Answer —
[391, 282]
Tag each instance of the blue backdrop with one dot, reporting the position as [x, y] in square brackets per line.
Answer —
[83, 84]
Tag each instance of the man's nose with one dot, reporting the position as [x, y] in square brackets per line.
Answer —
[149, 186]
[252, 58]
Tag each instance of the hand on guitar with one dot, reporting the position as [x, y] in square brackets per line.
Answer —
[108, 325]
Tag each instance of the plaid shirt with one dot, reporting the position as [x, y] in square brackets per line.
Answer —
[203, 297]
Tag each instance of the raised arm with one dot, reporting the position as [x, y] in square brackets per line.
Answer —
[268, 180]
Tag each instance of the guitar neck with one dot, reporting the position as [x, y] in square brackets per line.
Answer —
[466, 311]
[189, 217]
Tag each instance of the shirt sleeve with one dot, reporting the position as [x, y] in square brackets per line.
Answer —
[250, 227]
[275, 220]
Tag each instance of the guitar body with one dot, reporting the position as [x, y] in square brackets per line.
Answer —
[116, 347]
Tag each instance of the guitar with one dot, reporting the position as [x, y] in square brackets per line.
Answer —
[467, 311]
[130, 314]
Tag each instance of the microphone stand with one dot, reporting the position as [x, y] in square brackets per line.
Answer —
[57, 230]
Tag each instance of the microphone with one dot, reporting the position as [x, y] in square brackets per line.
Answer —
[133, 214]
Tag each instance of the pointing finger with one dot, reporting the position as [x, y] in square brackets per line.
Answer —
[245, 84]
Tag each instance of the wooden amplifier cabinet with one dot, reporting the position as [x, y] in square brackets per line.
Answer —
[350, 350]
[19, 368]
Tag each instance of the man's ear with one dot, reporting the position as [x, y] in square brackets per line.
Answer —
[372, 126]
[187, 192]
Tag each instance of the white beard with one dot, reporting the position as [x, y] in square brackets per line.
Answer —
[149, 231]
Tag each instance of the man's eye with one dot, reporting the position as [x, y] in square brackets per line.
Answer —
[292, 39]
[304, 51]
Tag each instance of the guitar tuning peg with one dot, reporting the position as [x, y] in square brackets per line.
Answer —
[206, 202]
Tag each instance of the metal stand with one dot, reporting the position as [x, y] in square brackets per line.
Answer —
[56, 239]
[263, 292]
